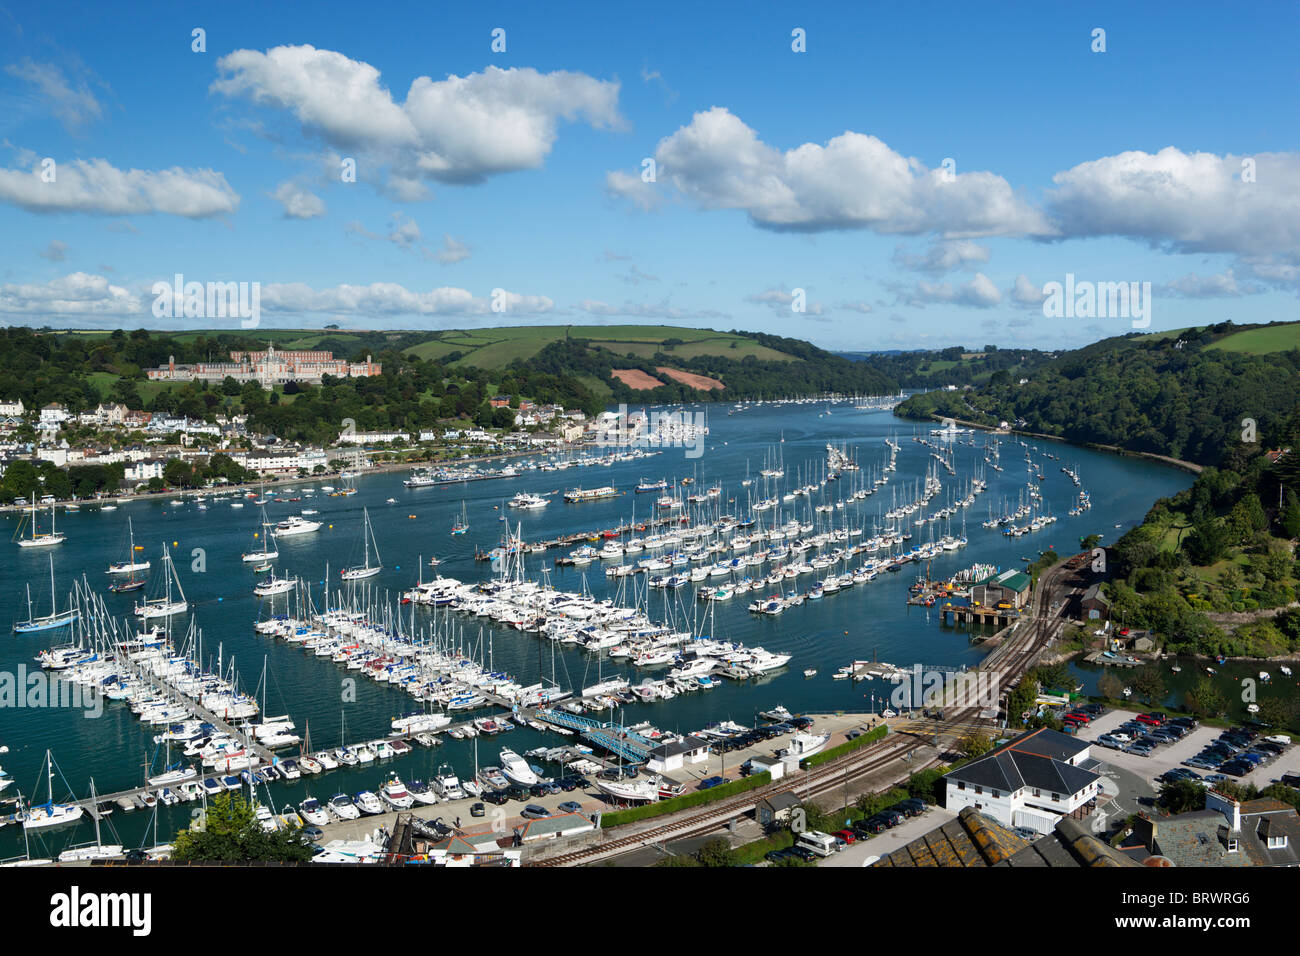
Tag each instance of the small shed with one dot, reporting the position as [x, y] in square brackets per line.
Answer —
[775, 810]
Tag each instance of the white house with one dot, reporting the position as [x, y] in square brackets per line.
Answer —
[368, 438]
[674, 754]
[144, 470]
[11, 406]
[1033, 781]
[53, 415]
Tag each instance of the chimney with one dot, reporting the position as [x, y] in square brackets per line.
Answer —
[1230, 808]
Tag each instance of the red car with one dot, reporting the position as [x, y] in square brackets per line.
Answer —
[1153, 720]
[1079, 718]
[847, 836]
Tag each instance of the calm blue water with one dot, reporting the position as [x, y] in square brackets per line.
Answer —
[868, 619]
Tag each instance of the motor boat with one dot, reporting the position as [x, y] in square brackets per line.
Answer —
[367, 802]
[313, 812]
[448, 784]
[517, 770]
[341, 806]
[805, 745]
[422, 792]
[395, 794]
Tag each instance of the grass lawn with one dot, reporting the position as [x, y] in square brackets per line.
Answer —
[1278, 338]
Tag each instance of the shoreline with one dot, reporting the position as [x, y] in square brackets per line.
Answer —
[282, 481]
[1179, 463]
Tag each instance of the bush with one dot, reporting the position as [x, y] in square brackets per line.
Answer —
[685, 801]
[870, 737]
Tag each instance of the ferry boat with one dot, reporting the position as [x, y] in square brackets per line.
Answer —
[576, 495]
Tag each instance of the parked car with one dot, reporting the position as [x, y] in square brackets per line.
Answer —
[846, 835]
[892, 818]
[497, 797]
[1282, 739]
[710, 782]
[570, 806]
[477, 810]
[517, 792]
[912, 807]
[874, 824]
[534, 812]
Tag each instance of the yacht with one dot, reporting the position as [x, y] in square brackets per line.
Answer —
[273, 586]
[805, 745]
[365, 570]
[313, 812]
[448, 784]
[294, 525]
[341, 806]
[422, 792]
[517, 770]
[528, 502]
[629, 791]
[50, 814]
[419, 722]
[367, 802]
[41, 539]
[130, 565]
[396, 795]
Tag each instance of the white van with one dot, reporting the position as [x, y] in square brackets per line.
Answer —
[823, 844]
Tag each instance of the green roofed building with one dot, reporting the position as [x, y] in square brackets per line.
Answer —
[1009, 587]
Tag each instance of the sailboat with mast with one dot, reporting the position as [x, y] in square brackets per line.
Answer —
[267, 550]
[130, 566]
[42, 539]
[167, 604]
[461, 524]
[46, 622]
[366, 569]
[51, 814]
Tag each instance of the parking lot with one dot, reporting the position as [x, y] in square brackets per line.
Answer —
[882, 844]
[1168, 756]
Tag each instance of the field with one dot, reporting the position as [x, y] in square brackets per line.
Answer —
[635, 378]
[701, 382]
[1276, 338]
[493, 348]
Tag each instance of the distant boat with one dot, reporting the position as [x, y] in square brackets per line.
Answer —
[42, 539]
[461, 524]
[366, 569]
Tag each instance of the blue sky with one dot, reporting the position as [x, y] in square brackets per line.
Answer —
[776, 171]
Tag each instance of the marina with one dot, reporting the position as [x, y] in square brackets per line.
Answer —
[554, 657]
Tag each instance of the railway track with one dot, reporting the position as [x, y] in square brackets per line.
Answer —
[1006, 665]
